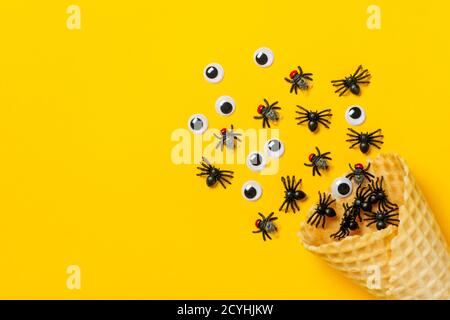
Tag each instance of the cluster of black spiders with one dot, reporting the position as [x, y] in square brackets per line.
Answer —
[366, 198]
[371, 204]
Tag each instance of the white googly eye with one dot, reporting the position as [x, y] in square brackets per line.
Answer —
[198, 123]
[256, 161]
[225, 105]
[251, 190]
[263, 57]
[355, 115]
[341, 188]
[274, 148]
[213, 73]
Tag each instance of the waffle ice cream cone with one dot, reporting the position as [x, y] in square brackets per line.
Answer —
[410, 261]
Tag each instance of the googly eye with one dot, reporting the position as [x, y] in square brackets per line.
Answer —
[355, 115]
[341, 188]
[213, 73]
[263, 57]
[251, 190]
[198, 123]
[274, 148]
[256, 161]
[225, 105]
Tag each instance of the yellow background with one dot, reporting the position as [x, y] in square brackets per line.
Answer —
[86, 118]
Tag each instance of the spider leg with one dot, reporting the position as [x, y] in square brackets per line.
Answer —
[296, 205]
[226, 175]
[323, 111]
[323, 222]
[315, 218]
[202, 169]
[281, 208]
[375, 145]
[311, 216]
[363, 82]
[337, 81]
[222, 178]
[303, 121]
[206, 165]
[298, 182]
[221, 182]
[354, 144]
[371, 223]
[288, 182]
[306, 111]
[273, 104]
[227, 171]
[287, 206]
[203, 174]
[318, 172]
[357, 70]
[292, 205]
[286, 187]
[362, 76]
[346, 89]
[376, 131]
[324, 123]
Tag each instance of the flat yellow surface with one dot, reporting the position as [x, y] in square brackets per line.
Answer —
[86, 117]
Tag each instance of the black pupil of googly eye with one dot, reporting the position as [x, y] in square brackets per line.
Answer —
[355, 113]
[196, 124]
[256, 159]
[274, 145]
[212, 72]
[261, 58]
[343, 188]
[250, 192]
[226, 107]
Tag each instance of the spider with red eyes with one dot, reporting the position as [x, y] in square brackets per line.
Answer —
[268, 112]
[227, 138]
[359, 173]
[299, 80]
[265, 225]
[318, 161]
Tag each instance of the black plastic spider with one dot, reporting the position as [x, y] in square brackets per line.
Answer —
[322, 211]
[214, 174]
[227, 138]
[383, 218]
[291, 194]
[318, 161]
[268, 112]
[297, 80]
[378, 195]
[365, 140]
[361, 202]
[359, 173]
[265, 225]
[314, 118]
[352, 82]
[348, 223]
